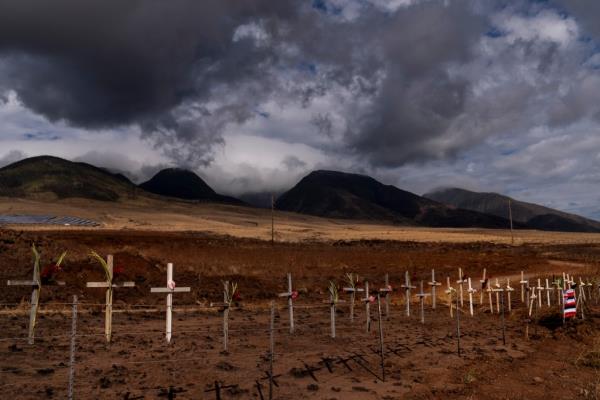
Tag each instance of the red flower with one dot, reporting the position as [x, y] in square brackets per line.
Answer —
[237, 296]
[118, 270]
[372, 299]
[294, 295]
[50, 270]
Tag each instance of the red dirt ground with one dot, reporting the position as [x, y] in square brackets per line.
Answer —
[421, 361]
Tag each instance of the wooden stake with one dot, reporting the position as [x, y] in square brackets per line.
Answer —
[503, 321]
[271, 349]
[72, 350]
[433, 285]
[381, 348]
[539, 295]
[457, 327]
[548, 289]
[169, 289]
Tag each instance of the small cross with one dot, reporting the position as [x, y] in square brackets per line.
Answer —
[169, 290]
[109, 284]
[334, 299]
[407, 287]
[483, 282]
[367, 300]
[449, 291]
[539, 289]
[291, 296]
[387, 291]
[352, 289]
[36, 286]
[547, 289]
[421, 297]
[508, 289]
[433, 285]
[498, 289]
[523, 282]
[470, 290]
[461, 281]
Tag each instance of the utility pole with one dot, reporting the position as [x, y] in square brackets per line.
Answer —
[272, 218]
[512, 236]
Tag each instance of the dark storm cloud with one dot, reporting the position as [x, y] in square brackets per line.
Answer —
[109, 63]
[388, 84]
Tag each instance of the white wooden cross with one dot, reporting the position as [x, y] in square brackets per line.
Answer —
[548, 289]
[169, 290]
[483, 282]
[449, 291]
[497, 290]
[539, 289]
[109, 284]
[489, 292]
[407, 287]
[523, 282]
[433, 285]
[36, 286]
[582, 285]
[367, 300]
[589, 284]
[460, 281]
[508, 289]
[225, 306]
[558, 289]
[352, 289]
[532, 301]
[387, 294]
[421, 295]
[291, 295]
[471, 290]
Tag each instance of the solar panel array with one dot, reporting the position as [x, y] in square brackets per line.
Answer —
[45, 220]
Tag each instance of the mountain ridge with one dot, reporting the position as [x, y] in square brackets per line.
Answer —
[533, 215]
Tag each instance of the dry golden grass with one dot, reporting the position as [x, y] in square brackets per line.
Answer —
[245, 222]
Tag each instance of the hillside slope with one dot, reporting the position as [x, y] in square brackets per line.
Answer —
[351, 196]
[52, 177]
[534, 216]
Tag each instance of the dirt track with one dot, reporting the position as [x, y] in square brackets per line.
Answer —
[421, 361]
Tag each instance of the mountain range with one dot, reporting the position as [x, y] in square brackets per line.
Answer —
[532, 215]
[329, 194]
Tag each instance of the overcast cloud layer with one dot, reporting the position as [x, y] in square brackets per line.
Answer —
[495, 95]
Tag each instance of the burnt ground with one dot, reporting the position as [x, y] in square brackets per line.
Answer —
[421, 361]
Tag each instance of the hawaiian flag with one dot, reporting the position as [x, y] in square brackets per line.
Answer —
[570, 303]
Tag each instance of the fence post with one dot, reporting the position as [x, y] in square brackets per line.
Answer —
[271, 349]
[381, 338]
[72, 351]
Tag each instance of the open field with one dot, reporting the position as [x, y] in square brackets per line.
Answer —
[246, 222]
[420, 360]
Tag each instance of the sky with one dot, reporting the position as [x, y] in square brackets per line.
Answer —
[252, 95]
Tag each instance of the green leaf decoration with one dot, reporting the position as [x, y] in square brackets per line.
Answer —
[108, 275]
